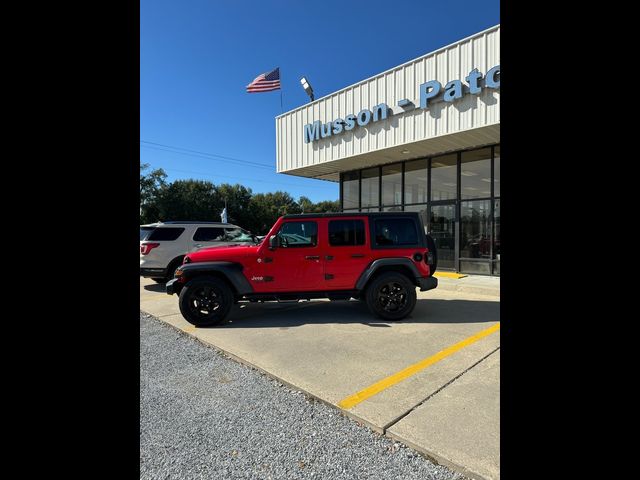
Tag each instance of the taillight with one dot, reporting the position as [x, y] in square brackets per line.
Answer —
[429, 258]
[145, 248]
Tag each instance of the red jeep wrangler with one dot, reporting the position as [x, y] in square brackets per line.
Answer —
[377, 257]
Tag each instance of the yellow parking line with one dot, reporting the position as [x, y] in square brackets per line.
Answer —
[449, 275]
[391, 380]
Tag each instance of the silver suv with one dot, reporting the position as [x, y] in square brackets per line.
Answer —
[163, 245]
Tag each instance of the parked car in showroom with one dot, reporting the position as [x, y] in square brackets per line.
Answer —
[163, 245]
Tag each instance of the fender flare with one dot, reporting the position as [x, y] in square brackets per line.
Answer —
[385, 262]
[230, 270]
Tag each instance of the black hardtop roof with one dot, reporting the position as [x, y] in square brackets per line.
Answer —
[351, 214]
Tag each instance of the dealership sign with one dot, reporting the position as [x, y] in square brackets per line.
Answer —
[430, 92]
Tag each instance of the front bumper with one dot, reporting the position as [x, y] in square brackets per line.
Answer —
[427, 283]
[173, 286]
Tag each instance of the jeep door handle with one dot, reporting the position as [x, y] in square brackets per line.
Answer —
[357, 255]
[312, 257]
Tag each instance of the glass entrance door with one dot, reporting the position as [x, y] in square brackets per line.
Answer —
[442, 226]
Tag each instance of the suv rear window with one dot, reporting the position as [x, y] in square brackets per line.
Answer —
[344, 233]
[209, 234]
[395, 231]
[166, 234]
[145, 231]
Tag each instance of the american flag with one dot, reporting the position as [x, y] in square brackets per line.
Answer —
[265, 82]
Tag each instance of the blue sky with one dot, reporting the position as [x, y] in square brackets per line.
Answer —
[197, 56]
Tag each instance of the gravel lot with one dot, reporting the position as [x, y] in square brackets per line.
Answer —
[203, 415]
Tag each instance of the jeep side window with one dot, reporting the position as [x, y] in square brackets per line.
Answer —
[395, 231]
[298, 234]
[346, 233]
[208, 234]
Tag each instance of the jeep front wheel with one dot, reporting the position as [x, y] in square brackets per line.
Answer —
[205, 301]
[391, 296]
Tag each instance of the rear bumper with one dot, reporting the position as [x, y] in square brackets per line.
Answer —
[153, 272]
[427, 283]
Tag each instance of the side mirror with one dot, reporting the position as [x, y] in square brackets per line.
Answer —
[273, 242]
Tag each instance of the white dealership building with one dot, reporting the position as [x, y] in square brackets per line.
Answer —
[424, 137]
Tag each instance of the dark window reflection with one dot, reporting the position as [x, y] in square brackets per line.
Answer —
[442, 228]
[496, 171]
[475, 229]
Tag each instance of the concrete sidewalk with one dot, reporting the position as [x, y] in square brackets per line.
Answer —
[474, 284]
[332, 350]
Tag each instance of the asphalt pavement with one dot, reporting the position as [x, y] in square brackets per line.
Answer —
[204, 415]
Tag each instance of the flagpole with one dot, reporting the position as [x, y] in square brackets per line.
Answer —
[281, 109]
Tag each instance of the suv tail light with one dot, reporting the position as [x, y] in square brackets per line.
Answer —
[145, 248]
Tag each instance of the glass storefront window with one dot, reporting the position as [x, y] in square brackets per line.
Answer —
[350, 190]
[475, 229]
[471, 245]
[370, 188]
[496, 171]
[475, 174]
[444, 177]
[392, 184]
[415, 181]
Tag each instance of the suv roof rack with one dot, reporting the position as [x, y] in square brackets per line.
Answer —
[193, 222]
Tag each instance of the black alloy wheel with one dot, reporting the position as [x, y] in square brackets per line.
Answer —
[391, 296]
[205, 301]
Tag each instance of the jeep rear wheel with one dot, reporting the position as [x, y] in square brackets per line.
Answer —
[205, 301]
[391, 296]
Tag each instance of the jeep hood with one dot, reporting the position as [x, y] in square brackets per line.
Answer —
[225, 252]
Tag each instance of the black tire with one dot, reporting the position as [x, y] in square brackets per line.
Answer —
[391, 296]
[205, 301]
[160, 280]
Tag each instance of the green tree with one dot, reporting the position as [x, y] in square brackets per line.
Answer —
[326, 206]
[265, 208]
[306, 205]
[150, 186]
[189, 200]
[238, 199]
